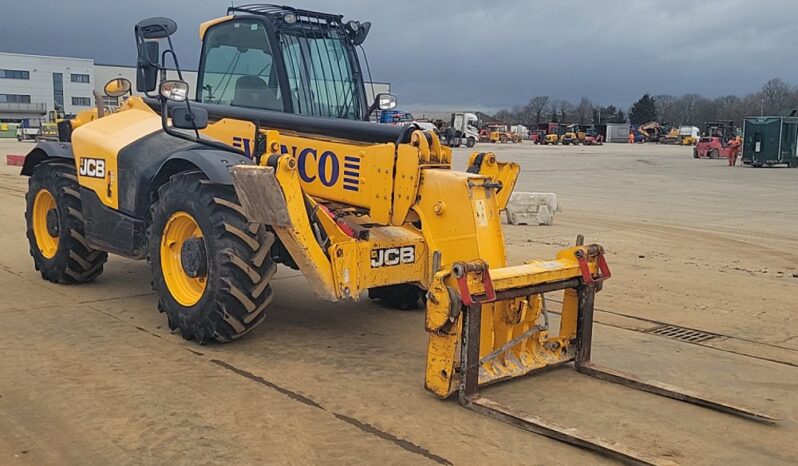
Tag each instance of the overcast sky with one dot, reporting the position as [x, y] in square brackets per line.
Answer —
[449, 54]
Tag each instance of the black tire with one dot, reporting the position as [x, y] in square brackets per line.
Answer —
[695, 153]
[238, 261]
[503, 139]
[74, 260]
[403, 297]
[471, 142]
[713, 154]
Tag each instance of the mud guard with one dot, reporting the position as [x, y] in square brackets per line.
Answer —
[215, 164]
[44, 151]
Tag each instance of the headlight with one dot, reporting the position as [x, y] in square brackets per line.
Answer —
[353, 26]
[174, 90]
[289, 18]
[386, 101]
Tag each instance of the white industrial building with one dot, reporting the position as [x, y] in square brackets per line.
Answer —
[33, 85]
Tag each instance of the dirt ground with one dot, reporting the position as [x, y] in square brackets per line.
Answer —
[90, 374]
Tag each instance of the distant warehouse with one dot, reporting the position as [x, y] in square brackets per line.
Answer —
[31, 86]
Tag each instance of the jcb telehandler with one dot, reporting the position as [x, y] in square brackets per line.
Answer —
[274, 162]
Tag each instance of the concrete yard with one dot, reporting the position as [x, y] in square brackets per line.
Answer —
[91, 374]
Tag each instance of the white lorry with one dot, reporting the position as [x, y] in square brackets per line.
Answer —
[463, 129]
[28, 133]
[520, 130]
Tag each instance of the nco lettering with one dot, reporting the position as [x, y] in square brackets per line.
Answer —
[325, 167]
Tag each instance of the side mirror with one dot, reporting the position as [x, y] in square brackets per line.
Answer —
[156, 28]
[386, 101]
[383, 102]
[147, 66]
[183, 118]
[117, 87]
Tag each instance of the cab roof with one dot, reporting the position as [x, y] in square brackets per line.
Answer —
[276, 12]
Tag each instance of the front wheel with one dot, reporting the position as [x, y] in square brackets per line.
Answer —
[471, 142]
[503, 139]
[713, 154]
[211, 268]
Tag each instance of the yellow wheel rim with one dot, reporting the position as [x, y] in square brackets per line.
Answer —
[43, 203]
[186, 290]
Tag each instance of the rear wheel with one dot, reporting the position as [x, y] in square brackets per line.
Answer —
[404, 297]
[503, 139]
[55, 227]
[211, 268]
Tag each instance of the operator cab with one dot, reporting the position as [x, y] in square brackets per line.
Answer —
[283, 59]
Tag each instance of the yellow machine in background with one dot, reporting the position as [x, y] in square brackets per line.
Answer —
[573, 134]
[216, 192]
[499, 133]
[551, 138]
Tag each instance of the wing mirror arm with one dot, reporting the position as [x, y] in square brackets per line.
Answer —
[185, 117]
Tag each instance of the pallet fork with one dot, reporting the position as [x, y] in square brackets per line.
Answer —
[473, 373]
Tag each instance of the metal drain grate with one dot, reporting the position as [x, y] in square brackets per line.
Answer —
[682, 334]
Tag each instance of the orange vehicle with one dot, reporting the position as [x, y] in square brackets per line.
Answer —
[714, 142]
[498, 133]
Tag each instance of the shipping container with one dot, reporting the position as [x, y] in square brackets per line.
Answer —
[770, 140]
[618, 132]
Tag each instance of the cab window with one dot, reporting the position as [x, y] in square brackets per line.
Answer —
[320, 73]
[238, 67]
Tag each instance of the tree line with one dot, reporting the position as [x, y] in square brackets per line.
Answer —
[690, 109]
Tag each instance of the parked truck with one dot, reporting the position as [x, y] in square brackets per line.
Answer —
[463, 129]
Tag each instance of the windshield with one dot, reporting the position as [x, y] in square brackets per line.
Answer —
[238, 67]
[320, 72]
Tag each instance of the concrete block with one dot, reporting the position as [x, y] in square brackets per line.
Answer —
[532, 208]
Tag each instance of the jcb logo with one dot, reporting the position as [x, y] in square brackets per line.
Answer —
[390, 257]
[92, 168]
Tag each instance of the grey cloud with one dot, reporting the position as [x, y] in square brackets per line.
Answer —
[451, 53]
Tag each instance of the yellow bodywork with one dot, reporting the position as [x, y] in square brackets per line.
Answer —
[104, 138]
[213, 22]
[452, 217]
[401, 216]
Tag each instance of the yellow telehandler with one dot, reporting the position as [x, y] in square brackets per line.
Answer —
[274, 161]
